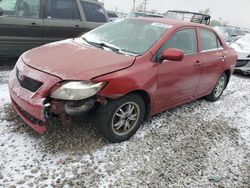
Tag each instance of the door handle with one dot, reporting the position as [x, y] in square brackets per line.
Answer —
[222, 58]
[197, 63]
[77, 27]
[33, 24]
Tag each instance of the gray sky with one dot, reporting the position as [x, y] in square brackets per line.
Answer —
[236, 12]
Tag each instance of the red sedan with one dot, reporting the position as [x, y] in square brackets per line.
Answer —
[122, 72]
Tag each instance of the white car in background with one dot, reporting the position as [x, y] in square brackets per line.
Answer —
[229, 33]
[242, 47]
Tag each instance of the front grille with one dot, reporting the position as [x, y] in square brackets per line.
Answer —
[242, 63]
[28, 83]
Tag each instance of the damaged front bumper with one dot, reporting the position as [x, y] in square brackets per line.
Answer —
[35, 107]
[66, 109]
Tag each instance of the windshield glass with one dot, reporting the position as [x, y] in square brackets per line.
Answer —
[134, 37]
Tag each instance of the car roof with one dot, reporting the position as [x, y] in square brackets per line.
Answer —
[174, 23]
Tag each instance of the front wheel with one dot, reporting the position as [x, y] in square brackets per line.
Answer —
[119, 119]
[218, 89]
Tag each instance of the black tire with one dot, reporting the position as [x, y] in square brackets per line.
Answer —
[214, 96]
[105, 114]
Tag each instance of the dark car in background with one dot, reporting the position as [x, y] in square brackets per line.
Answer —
[25, 24]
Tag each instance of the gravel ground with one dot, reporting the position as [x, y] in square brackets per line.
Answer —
[200, 144]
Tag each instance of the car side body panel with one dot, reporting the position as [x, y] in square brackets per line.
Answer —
[19, 34]
[180, 87]
[141, 76]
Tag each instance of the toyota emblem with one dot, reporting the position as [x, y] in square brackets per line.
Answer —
[20, 76]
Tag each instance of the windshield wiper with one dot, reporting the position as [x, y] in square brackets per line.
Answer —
[114, 49]
[102, 45]
[129, 52]
[92, 43]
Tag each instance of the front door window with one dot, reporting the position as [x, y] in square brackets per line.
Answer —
[21, 8]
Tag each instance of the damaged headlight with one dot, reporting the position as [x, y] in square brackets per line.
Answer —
[76, 90]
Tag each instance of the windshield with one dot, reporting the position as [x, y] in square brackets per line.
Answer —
[130, 36]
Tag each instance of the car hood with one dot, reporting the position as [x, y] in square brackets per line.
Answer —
[72, 60]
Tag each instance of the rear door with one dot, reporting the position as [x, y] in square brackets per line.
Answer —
[177, 81]
[71, 18]
[213, 58]
[62, 20]
[21, 26]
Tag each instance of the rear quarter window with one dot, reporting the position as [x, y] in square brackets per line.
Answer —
[93, 12]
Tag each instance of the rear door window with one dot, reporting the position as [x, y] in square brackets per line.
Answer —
[93, 12]
[209, 40]
[62, 9]
[21, 8]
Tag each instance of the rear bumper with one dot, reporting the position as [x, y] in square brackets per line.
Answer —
[242, 62]
[243, 70]
[243, 65]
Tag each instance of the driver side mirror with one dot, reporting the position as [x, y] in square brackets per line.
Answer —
[1, 11]
[172, 54]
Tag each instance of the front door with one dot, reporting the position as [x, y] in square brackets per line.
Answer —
[21, 26]
[177, 81]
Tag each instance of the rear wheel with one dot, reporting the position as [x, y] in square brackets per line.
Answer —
[119, 119]
[218, 89]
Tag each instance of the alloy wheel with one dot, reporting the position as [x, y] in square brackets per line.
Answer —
[125, 118]
[219, 87]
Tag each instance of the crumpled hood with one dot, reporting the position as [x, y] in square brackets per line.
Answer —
[71, 60]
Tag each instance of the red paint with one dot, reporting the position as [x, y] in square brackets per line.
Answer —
[168, 83]
[173, 54]
[38, 127]
[69, 60]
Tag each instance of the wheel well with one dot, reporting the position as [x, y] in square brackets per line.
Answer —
[146, 97]
[228, 74]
